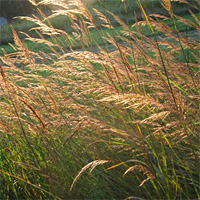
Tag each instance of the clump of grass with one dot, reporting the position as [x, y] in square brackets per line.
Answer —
[129, 105]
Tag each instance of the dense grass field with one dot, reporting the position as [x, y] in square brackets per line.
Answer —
[124, 11]
[109, 110]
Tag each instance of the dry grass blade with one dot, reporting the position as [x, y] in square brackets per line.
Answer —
[68, 12]
[34, 112]
[195, 17]
[17, 41]
[122, 23]
[156, 116]
[2, 73]
[25, 54]
[91, 165]
[134, 198]
[167, 5]
[106, 23]
[59, 3]
[143, 169]
[74, 131]
[33, 2]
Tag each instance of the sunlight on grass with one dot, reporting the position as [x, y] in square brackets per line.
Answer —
[107, 111]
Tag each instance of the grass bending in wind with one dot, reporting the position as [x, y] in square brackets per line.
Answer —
[101, 123]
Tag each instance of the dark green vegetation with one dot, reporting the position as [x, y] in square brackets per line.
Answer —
[10, 9]
[104, 112]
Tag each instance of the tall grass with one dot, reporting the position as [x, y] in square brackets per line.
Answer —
[124, 11]
[117, 121]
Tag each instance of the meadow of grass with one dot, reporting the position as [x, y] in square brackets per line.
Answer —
[81, 120]
[94, 34]
[123, 11]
